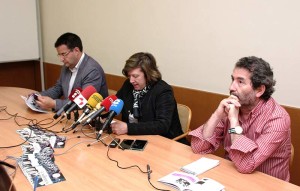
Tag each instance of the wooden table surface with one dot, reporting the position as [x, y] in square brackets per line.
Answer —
[88, 168]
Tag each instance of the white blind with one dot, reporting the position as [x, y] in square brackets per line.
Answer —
[18, 31]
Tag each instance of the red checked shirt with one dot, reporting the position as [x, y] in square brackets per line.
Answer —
[265, 144]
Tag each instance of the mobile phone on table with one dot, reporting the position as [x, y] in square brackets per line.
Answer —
[139, 145]
[114, 143]
[126, 143]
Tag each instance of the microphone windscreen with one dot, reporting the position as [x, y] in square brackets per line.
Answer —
[108, 101]
[88, 91]
[94, 100]
[117, 106]
[74, 93]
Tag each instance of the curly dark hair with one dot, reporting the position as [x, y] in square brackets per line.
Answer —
[147, 63]
[71, 40]
[261, 74]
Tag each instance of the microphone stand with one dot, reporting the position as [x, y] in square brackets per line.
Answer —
[75, 127]
[77, 122]
[76, 114]
[69, 116]
[99, 138]
[97, 125]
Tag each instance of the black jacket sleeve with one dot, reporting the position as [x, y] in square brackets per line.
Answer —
[158, 109]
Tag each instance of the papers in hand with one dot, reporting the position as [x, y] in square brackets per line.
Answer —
[30, 102]
[187, 182]
[199, 166]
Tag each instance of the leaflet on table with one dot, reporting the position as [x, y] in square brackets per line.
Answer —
[37, 164]
[199, 166]
[31, 103]
[34, 134]
[186, 182]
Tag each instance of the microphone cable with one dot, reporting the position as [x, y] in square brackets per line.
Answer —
[7, 147]
[148, 172]
[85, 134]
[32, 123]
[58, 154]
[16, 116]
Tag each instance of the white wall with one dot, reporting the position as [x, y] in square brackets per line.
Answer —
[196, 42]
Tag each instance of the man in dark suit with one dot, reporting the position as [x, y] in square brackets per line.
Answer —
[79, 71]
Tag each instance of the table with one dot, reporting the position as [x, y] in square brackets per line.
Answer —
[88, 168]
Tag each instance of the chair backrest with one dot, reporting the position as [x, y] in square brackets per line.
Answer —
[112, 92]
[292, 155]
[185, 115]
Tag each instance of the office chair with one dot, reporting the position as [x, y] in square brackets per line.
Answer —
[185, 115]
[292, 156]
[112, 92]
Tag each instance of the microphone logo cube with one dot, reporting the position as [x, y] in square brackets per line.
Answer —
[75, 94]
[111, 99]
[80, 101]
[116, 102]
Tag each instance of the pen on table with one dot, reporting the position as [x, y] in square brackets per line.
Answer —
[148, 171]
[35, 182]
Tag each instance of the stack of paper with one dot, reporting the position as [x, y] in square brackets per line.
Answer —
[200, 166]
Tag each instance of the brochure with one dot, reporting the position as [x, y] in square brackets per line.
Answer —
[186, 182]
[37, 162]
[33, 134]
[30, 102]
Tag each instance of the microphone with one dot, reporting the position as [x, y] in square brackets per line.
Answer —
[105, 105]
[92, 102]
[95, 109]
[81, 99]
[115, 109]
[74, 93]
[90, 114]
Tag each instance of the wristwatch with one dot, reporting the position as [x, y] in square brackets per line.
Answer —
[236, 130]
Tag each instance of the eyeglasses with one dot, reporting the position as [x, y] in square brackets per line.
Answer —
[4, 174]
[7, 165]
[64, 54]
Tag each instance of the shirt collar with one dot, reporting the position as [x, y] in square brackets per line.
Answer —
[78, 64]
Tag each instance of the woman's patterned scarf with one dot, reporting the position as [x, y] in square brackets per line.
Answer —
[137, 96]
